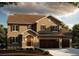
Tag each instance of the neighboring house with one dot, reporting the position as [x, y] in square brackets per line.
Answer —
[26, 31]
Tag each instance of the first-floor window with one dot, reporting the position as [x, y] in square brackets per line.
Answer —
[14, 40]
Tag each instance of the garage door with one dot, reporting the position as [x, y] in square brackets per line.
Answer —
[65, 43]
[49, 43]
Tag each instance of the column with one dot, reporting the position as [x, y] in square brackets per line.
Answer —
[23, 42]
[70, 43]
[37, 42]
[60, 42]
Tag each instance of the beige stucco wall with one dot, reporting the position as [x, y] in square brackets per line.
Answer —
[14, 34]
[47, 22]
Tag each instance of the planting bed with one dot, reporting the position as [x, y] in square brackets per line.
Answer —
[24, 52]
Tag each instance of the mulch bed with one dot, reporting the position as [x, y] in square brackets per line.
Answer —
[27, 52]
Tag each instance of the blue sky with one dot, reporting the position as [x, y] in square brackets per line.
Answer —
[68, 20]
[3, 19]
[71, 20]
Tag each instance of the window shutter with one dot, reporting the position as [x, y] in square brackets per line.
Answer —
[17, 27]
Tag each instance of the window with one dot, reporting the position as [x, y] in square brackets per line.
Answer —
[43, 27]
[29, 27]
[15, 28]
[14, 40]
[54, 28]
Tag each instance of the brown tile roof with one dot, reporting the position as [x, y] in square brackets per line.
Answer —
[23, 18]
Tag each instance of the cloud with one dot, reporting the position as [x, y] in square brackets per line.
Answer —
[54, 8]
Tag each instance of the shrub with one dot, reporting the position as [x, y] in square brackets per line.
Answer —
[45, 52]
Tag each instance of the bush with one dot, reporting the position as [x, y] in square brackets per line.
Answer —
[45, 53]
[38, 49]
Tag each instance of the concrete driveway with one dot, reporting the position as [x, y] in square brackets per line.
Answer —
[64, 52]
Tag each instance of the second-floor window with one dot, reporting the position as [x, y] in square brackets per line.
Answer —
[55, 28]
[43, 27]
[15, 27]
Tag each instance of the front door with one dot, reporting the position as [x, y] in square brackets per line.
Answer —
[29, 40]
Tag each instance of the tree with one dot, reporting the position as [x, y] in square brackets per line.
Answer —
[7, 3]
[65, 26]
[75, 31]
[3, 36]
[75, 3]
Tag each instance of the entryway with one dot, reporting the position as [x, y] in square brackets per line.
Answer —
[29, 40]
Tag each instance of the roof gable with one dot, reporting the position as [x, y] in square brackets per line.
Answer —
[30, 31]
[54, 19]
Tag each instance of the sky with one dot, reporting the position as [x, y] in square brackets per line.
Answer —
[71, 20]
[67, 13]
[3, 19]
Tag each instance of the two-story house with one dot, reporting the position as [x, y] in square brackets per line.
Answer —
[27, 31]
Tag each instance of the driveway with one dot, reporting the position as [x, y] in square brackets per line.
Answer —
[64, 52]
